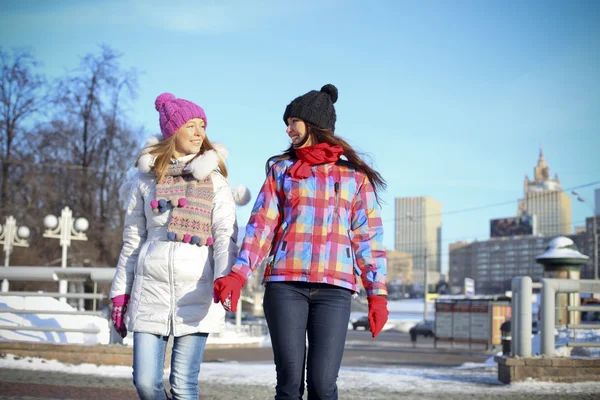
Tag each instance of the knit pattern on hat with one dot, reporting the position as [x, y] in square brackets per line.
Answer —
[315, 107]
[174, 113]
[191, 199]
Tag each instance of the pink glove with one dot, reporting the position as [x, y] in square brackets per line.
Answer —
[378, 313]
[119, 310]
[228, 289]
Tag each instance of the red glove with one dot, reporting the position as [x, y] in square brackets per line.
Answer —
[228, 289]
[119, 310]
[378, 313]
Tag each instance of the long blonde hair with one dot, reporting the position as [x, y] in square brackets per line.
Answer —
[163, 151]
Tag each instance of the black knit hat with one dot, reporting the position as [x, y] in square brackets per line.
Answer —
[315, 107]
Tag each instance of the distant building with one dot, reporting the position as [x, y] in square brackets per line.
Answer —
[543, 213]
[493, 263]
[585, 243]
[461, 264]
[419, 232]
[400, 266]
[544, 199]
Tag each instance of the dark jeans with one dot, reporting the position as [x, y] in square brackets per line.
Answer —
[295, 310]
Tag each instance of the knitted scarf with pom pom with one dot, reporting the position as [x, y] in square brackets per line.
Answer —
[191, 200]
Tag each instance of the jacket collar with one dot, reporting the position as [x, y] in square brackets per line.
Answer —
[200, 166]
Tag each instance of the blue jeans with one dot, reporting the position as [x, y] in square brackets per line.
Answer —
[295, 310]
[149, 359]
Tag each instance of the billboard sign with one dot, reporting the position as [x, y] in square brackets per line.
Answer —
[469, 287]
[513, 226]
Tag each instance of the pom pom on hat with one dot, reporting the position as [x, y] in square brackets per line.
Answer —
[315, 107]
[331, 91]
[174, 112]
[162, 99]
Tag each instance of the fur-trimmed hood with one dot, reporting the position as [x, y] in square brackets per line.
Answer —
[201, 167]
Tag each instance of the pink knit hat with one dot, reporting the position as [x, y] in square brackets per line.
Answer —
[174, 112]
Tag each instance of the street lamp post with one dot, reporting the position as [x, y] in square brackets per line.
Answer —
[11, 236]
[595, 233]
[425, 274]
[66, 229]
[426, 289]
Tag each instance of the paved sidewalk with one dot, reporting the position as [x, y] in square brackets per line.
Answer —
[46, 385]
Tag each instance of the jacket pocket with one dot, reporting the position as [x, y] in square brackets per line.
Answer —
[139, 265]
[282, 244]
[350, 255]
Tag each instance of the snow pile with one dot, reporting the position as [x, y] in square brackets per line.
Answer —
[49, 321]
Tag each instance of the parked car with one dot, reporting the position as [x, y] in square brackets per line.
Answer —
[362, 322]
[424, 328]
[246, 317]
[507, 326]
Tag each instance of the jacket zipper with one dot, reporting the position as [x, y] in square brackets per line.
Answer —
[336, 188]
[172, 285]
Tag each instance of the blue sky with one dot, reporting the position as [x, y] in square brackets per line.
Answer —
[452, 99]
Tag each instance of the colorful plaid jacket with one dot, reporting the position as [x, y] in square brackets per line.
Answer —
[323, 229]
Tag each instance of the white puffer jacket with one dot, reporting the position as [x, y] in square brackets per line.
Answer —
[171, 283]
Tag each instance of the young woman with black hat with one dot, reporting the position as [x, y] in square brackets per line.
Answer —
[317, 216]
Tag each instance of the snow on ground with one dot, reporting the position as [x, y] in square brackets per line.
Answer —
[50, 321]
[403, 315]
[229, 336]
[471, 377]
[85, 321]
[414, 306]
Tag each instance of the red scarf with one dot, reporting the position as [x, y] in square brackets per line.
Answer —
[322, 153]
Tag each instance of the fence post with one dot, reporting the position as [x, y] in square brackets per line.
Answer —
[523, 331]
[548, 311]
[515, 310]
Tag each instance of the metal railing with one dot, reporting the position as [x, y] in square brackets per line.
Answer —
[521, 312]
[550, 288]
[94, 275]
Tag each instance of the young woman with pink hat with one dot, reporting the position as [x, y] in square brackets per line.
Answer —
[179, 236]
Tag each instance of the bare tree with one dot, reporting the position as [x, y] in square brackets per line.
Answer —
[86, 149]
[22, 91]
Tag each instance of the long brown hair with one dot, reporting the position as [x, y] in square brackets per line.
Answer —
[164, 153]
[321, 135]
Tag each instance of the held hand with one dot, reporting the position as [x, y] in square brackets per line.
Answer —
[378, 314]
[117, 315]
[228, 289]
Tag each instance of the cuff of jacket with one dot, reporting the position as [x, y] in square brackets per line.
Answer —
[377, 289]
[120, 300]
[243, 270]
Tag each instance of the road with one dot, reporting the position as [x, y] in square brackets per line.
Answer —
[389, 349]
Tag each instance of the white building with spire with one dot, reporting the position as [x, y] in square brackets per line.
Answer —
[544, 199]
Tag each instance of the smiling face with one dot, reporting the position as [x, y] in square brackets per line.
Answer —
[298, 133]
[189, 138]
